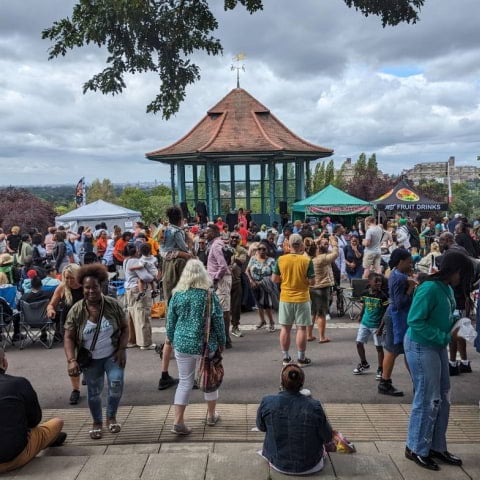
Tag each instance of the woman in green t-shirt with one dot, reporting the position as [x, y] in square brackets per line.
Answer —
[430, 322]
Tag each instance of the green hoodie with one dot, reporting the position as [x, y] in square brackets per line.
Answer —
[430, 318]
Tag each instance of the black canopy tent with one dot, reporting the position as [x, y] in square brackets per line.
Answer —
[404, 198]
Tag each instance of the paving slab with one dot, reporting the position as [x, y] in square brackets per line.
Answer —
[51, 468]
[74, 451]
[326, 474]
[411, 471]
[239, 467]
[231, 449]
[187, 448]
[146, 448]
[371, 467]
[114, 467]
[168, 466]
[471, 464]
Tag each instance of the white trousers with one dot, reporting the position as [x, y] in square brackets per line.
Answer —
[186, 365]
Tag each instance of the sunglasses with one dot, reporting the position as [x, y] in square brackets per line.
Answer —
[262, 249]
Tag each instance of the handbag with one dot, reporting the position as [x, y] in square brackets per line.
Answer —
[210, 371]
[84, 355]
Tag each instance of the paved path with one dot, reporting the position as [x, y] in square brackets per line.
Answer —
[381, 460]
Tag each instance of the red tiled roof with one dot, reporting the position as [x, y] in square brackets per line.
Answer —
[239, 124]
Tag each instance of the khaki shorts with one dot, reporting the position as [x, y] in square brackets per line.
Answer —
[224, 287]
[39, 438]
[294, 313]
[372, 260]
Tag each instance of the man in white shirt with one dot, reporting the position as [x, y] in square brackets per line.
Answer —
[372, 242]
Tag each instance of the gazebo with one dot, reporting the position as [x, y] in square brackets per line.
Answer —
[240, 155]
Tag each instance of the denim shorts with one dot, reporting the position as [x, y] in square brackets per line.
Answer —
[395, 348]
[364, 333]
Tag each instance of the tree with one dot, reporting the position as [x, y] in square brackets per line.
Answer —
[360, 167]
[329, 173]
[339, 181]
[162, 36]
[372, 165]
[318, 179]
[20, 207]
[101, 190]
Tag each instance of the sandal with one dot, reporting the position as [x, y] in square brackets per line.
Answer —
[325, 340]
[113, 426]
[260, 325]
[312, 339]
[96, 432]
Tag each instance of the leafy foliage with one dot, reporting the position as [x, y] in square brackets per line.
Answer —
[367, 184]
[329, 173]
[20, 207]
[101, 190]
[161, 36]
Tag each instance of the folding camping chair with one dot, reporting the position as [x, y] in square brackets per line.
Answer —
[353, 304]
[35, 323]
[5, 327]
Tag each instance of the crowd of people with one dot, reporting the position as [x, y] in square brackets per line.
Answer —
[419, 279]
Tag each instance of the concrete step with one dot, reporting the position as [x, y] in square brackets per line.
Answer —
[230, 461]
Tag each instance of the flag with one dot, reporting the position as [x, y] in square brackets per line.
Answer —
[80, 193]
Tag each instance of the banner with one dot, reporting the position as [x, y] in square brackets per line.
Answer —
[339, 209]
[80, 193]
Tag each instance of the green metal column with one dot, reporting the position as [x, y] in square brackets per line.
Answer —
[172, 182]
[299, 180]
[232, 188]
[247, 185]
[181, 181]
[262, 188]
[308, 177]
[209, 185]
[195, 184]
[271, 181]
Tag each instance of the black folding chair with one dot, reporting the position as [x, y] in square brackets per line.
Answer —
[354, 300]
[5, 327]
[35, 323]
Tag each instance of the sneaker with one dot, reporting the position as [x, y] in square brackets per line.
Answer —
[74, 397]
[287, 361]
[195, 385]
[361, 367]
[454, 370]
[150, 347]
[236, 332]
[212, 421]
[304, 363]
[465, 367]
[155, 293]
[132, 345]
[84, 380]
[328, 317]
[60, 440]
[167, 382]
[378, 375]
[140, 296]
[385, 387]
[271, 328]
[181, 429]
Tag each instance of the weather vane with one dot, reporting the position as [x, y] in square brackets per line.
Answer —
[238, 58]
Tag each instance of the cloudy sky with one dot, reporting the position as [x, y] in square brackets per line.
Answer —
[409, 93]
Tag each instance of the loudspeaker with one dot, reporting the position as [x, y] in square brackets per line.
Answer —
[202, 210]
[283, 207]
[185, 212]
[231, 220]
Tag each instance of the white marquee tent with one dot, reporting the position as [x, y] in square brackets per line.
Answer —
[97, 212]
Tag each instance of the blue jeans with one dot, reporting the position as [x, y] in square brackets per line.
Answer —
[95, 377]
[428, 424]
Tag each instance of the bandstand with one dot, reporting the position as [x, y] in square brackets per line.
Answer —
[240, 155]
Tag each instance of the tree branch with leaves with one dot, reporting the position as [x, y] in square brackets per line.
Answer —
[161, 36]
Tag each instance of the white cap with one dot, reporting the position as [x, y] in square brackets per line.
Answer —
[458, 215]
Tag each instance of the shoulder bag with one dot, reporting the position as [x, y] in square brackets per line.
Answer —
[84, 355]
[210, 371]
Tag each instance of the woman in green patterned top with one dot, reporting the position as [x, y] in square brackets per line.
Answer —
[185, 329]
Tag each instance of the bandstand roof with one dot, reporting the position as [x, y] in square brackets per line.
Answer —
[238, 129]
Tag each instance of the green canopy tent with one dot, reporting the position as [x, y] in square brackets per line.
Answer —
[330, 201]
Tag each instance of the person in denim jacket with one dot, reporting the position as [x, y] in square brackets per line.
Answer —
[296, 428]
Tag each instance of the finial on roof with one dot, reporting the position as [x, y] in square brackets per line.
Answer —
[239, 57]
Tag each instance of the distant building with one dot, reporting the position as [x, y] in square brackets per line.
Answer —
[438, 171]
[348, 170]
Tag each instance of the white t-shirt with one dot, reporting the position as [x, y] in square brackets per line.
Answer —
[103, 347]
[374, 234]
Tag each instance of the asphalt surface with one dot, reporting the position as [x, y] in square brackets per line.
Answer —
[252, 369]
